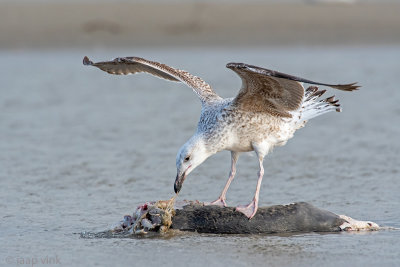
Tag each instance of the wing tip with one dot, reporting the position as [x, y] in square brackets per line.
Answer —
[233, 65]
[347, 87]
[87, 61]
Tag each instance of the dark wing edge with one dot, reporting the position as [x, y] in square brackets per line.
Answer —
[132, 65]
[87, 61]
[272, 73]
[129, 65]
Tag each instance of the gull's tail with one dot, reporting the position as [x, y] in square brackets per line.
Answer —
[312, 107]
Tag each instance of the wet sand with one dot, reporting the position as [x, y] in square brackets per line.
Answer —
[124, 24]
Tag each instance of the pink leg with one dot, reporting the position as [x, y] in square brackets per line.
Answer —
[251, 209]
[221, 200]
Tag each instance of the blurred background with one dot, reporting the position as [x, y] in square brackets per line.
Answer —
[121, 23]
[80, 148]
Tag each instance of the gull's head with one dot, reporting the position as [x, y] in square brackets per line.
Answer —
[191, 155]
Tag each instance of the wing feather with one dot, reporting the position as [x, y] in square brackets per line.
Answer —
[273, 92]
[132, 65]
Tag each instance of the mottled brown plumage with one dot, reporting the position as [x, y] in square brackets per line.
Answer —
[132, 65]
[272, 92]
[260, 93]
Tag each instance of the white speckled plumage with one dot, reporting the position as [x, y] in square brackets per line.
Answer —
[267, 111]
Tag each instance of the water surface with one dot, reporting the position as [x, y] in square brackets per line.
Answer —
[80, 148]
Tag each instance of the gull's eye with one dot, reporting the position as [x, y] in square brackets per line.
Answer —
[187, 158]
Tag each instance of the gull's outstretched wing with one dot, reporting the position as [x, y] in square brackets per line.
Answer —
[272, 92]
[132, 65]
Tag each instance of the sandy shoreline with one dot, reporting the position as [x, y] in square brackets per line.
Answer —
[63, 25]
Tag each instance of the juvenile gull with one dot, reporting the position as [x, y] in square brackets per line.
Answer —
[268, 109]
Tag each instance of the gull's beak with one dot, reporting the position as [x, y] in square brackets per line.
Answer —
[178, 182]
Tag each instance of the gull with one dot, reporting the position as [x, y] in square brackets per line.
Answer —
[268, 109]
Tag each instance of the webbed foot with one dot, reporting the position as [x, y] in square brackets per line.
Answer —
[248, 210]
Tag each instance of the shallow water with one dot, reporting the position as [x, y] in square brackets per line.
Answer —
[80, 148]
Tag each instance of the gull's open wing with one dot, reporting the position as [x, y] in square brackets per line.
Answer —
[132, 65]
[272, 92]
